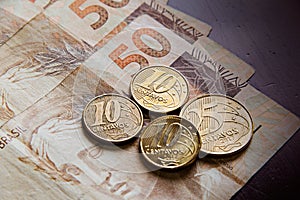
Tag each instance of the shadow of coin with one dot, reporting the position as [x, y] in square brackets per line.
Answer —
[230, 156]
[225, 162]
[182, 172]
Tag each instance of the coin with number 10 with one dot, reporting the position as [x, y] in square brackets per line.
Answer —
[159, 89]
[112, 118]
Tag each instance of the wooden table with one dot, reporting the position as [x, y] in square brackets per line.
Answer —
[265, 34]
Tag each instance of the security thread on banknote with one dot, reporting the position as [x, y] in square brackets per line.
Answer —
[112, 118]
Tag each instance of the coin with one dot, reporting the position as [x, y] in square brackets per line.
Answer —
[170, 142]
[113, 118]
[159, 88]
[224, 124]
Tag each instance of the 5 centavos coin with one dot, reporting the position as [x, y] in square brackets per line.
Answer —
[159, 88]
[112, 118]
[170, 142]
[224, 124]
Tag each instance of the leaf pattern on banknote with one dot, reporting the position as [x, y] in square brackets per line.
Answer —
[206, 75]
[48, 167]
[57, 130]
[36, 63]
[57, 150]
[57, 61]
[53, 62]
[5, 111]
[227, 75]
[202, 79]
[38, 147]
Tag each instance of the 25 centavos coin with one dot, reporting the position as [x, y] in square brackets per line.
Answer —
[224, 124]
[112, 118]
[170, 142]
[159, 88]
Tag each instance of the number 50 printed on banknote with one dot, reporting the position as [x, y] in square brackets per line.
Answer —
[92, 20]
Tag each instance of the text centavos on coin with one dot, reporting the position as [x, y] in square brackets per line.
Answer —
[113, 118]
[224, 124]
[170, 142]
[159, 88]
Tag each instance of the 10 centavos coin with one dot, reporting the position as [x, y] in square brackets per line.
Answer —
[170, 142]
[224, 124]
[112, 118]
[159, 88]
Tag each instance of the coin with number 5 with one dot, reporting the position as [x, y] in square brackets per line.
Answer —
[224, 124]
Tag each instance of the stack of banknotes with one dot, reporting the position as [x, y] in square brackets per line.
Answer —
[57, 55]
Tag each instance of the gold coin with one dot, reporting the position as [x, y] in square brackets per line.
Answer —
[159, 88]
[170, 142]
[112, 118]
[224, 124]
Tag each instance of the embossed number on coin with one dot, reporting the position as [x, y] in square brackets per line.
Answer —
[112, 117]
[159, 88]
[224, 124]
[170, 142]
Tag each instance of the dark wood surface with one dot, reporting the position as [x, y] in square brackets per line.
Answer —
[265, 34]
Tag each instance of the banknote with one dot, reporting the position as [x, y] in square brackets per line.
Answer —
[35, 61]
[72, 169]
[230, 66]
[95, 22]
[15, 14]
[48, 141]
[152, 39]
[44, 53]
[25, 10]
[9, 25]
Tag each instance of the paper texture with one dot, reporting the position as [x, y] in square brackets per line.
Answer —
[49, 140]
[57, 55]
